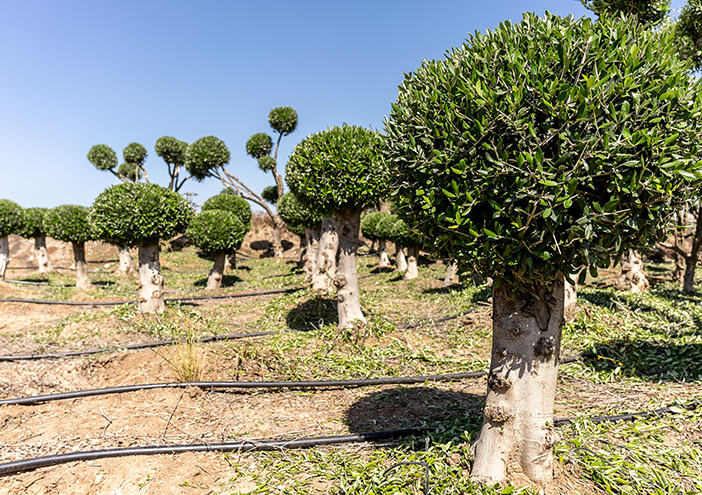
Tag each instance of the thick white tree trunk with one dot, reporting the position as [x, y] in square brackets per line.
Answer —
[278, 225]
[326, 256]
[400, 259]
[42, 254]
[346, 279]
[214, 281]
[150, 280]
[633, 277]
[412, 270]
[125, 261]
[82, 277]
[517, 436]
[312, 235]
[384, 260]
[4, 255]
[451, 277]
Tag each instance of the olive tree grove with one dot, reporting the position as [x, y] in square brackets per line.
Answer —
[338, 173]
[536, 151]
[71, 223]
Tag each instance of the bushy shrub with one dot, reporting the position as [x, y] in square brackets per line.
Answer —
[232, 203]
[259, 145]
[69, 223]
[134, 153]
[369, 225]
[103, 157]
[270, 194]
[217, 231]
[283, 120]
[10, 217]
[204, 155]
[33, 223]
[171, 150]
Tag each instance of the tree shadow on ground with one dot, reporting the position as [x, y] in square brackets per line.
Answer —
[104, 283]
[416, 406]
[313, 313]
[657, 361]
[382, 269]
[227, 281]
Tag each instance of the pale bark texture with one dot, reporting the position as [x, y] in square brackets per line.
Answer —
[82, 277]
[312, 234]
[125, 261]
[4, 255]
[150, 280]
[633, 278]
[346, 279]
[517, 436]
[326, 256]
[42, 254]
[214, 281]
[400, 259]
[278, 226]
[687, 250]
[451, 277]
[570, 299]
[412, 271]
[384, 260]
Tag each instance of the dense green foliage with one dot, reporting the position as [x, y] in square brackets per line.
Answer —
[295, 214]
[369, 225]
[130, 170]
[384, 228]
[103, 157]
[134, 153]
[266, 163]
[171, 150]
[10, 217]
[69, 223]
[205, 155]
[33, 223]
[283, 120]
[339, 169]
[232, 203]
[217, 231]
[546, 146]
[646, 12]
[688, 32]
[138, 214]
[270, 194]
[400, 233]
[259, 145]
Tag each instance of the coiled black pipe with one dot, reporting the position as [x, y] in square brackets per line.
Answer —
[173, 299]
[245, 446]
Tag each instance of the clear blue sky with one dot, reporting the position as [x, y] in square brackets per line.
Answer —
[76, 73]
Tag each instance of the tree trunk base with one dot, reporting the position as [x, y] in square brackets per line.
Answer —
[150, 280]
[42, 254]
[82, 277]
[412, 270]
[214, 281]
[633, 277]
[125, 262]
[400, 259]
[323, 277]
[4, 255]
[346, 280]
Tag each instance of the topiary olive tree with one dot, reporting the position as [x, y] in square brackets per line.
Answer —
[33, 228]
[384, 231]
[139, 215]
[134, 155]
[338, 173]
[71, 223]
[217, 232]
[538, 150]
[307, 224]
[174, 153]
[10, 223]
[104, 158]
[229, 200]
[270, 194]
[369, 229]
[404, 237]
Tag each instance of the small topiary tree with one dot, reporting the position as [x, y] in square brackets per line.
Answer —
[538, 150]
[229, 200]
[134, 155]
[139, 215]
[384, 231]
[338, 173]
[174, 153]
[404, 237]
[270, 194]
[130, 171]
[369, 229]
[217, 232]
[302, 221]
[71, 223]
[10, 223]
[104, 158]
[33, 228]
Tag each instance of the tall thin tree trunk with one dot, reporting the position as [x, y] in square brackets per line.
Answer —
[517, 436]
[312, 234]
[4, 255]
[214, 281]
[125, 261]
[82, 277]
[346, 279]
[150, 280]
[42, 254]
[400, 259]
[384, 261]
[412, 270]
[633, 277]
[326, 256]
[278, 225]
[451, 277]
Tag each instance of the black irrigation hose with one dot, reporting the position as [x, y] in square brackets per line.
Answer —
[440, 320]
[632, 416]
[245, 446]
[172, 299]
[400, 380]
[130, 347]
[27, 282]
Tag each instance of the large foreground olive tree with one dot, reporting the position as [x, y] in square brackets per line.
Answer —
[338, 173]
[535, 151]
[71, 223]
[139, 215]
[10, 223]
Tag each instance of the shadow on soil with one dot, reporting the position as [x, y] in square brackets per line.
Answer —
[227, 281]
[313, 313]
[450, 413]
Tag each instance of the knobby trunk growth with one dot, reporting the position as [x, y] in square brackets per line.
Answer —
[527, 181]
